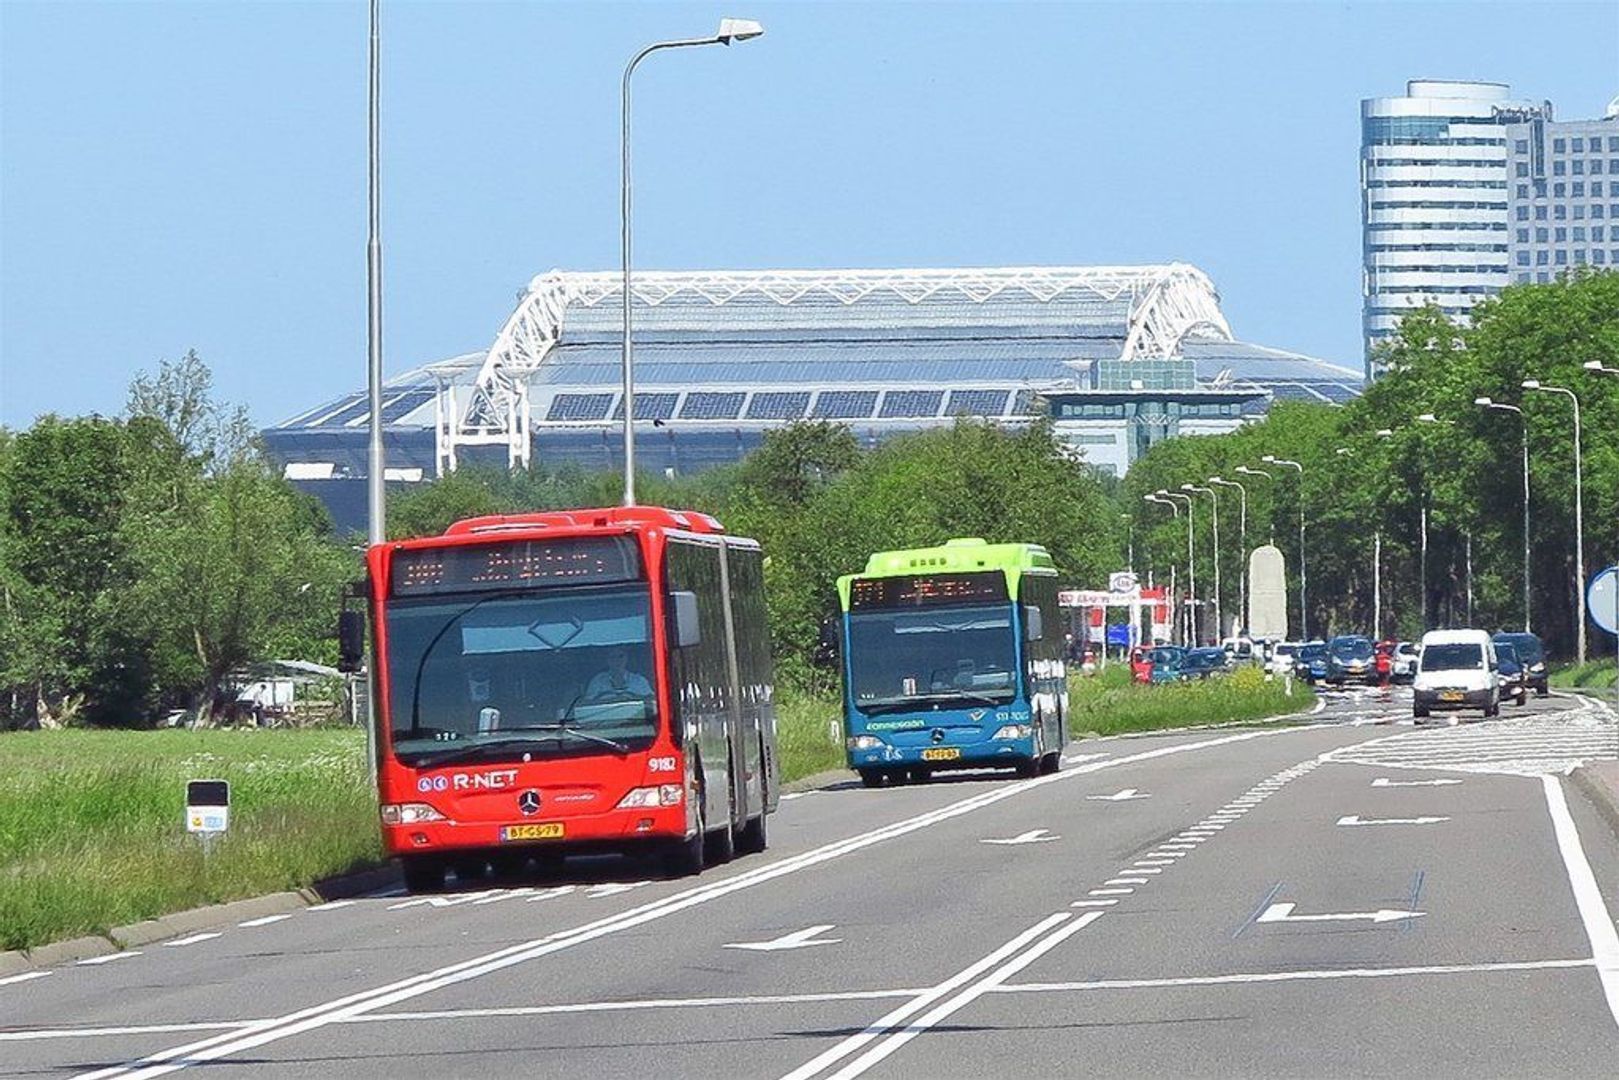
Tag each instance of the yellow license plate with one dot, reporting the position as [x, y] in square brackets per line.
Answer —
[546, 830]
[946, 754]
[1450, 695]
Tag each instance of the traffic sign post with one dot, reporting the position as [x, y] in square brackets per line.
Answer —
[1602, 604]
[207, 809]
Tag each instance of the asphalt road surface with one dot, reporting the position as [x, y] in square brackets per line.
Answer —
[1356, 897]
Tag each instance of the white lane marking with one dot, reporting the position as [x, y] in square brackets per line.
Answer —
[24, 977]
[1122, 795]
[598, 892]
[1033, 836]
[1146, 870]
[1110, 892]
[630, 1006]
[1284, 913]
[1356, 819]
[550, 894]
[1076, 759]
[265, 920]
[1152, 862]
[878, 1027]
[1383, 781]
[333, 905]
[335, 1011]
[798, 939]
[964, 998]
[192, 940]
[443, 901]
[1599, 925]
[1125, 881]
[145, 1029]
[506, 894]
[1093, 903]
[96, 961]
[791, 795]
[1292, 976]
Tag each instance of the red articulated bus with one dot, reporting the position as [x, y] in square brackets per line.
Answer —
[575, 682]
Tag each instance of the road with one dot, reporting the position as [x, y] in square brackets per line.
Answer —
[1353, 897]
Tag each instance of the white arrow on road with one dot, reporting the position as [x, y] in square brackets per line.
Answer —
[798, 939]
[1120, 796]
[1284, 913]
[1356, 819]
[1033, 836]
[1383, 781]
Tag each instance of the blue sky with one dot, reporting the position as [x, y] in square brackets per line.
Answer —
[179, 175]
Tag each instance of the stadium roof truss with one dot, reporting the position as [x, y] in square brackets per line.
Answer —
[1156, 308]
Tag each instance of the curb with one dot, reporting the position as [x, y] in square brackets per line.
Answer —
[1602, 795]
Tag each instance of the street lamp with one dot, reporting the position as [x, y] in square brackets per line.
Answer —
[1242, 527]
[1427, 488]
[1191, 566]
[730, 30]
[1219, 611]
[1488, 403]
[1377, 552]
[1174, 506]
[1304, 607]
[1579, 508]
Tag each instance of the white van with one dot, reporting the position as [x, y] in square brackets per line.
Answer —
[1456, 669]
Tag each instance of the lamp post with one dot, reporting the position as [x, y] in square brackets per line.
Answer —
[375, 493]
[1304, 578]
[1191, 567]
[1579, 509]
[730, 30]
[1377, 553]
[1156, 501]
[1219, 610]
[1524, 424]
[1242, 529]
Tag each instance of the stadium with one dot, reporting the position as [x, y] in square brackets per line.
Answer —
[1118, 357]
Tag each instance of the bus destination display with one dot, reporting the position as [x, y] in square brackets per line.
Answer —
[516, 564]
[927, 590]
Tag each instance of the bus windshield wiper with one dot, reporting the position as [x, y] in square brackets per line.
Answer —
[468, 750]
[891, 703]
[569, 729]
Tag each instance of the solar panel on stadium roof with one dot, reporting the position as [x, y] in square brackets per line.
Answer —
[701, 405]
[404, 404]
[845, 404]
[356, 409]
[1025, 403]
[579, 407]
[977, 402]
[778, 406]
[912, 403]
[649, 407]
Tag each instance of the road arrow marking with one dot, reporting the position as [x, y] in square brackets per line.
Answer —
[1284, 913]
[1383, 781]
[1356, 819]
[798, 939]
[1120, 796]
[1033, 836]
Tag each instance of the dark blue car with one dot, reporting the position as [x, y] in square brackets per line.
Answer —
[1310, 662]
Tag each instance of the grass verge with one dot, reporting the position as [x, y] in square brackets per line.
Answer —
[1591, 675]
[1110, 704]
[809, 735]
[92, 829]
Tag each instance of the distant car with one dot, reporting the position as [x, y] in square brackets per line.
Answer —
[1201, 663]
[1511, 672]
[1404, 661]
[1457, 670]
[1310, 662]
[1281, 657]
[1532, 654]
[1350, 658]
[1166, 663]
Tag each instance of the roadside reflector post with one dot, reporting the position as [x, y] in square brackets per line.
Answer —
[207, 810]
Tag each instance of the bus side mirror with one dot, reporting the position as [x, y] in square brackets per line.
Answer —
[350, 640]
[687, 631]
[1034, 625]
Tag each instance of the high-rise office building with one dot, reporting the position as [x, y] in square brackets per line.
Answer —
[1434, 194]
[1563, 195]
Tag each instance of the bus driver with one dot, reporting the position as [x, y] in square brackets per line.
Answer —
[617, 681]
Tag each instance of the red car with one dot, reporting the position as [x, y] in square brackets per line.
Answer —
[1141, 665]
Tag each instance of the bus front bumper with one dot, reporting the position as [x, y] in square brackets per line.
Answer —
[609, 831]
[979, 752]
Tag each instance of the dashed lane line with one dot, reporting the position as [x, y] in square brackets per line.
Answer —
[97, 961]
[193, 939]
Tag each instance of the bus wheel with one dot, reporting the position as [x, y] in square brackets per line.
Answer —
[1052, 762]
[872, 777]
[1028, 768]
[423, 873]
[685, 857]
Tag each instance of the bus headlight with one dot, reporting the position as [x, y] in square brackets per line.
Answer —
[1015, 731]
[644, 797]
[864, 742]
[410, 813]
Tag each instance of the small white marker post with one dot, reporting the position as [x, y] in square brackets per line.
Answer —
[207, 810]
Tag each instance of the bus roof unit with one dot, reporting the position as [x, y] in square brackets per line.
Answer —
[956, 556]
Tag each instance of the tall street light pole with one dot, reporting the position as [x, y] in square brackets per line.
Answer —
[1191, 567]
[1524, 424]
[1156, 501]
[1427, 489]
[1219, 611]
[1304, 577]
[375, 493]
[1242, 528]
[730, 30]
[1579, 508]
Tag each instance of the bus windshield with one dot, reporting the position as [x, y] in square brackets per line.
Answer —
[521, 674]
[952, 654]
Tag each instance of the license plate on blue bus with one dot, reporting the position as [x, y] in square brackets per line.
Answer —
[947, 753]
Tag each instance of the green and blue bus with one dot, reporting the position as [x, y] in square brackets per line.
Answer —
[952, 658]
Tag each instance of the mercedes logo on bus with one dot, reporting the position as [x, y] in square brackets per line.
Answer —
[529, 802]
[938, 735]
